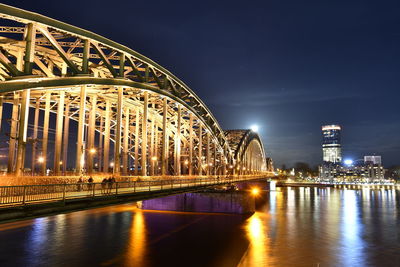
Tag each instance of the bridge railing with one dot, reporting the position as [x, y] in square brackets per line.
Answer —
[34, 194]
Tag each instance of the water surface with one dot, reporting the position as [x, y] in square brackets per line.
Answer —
[292, 227]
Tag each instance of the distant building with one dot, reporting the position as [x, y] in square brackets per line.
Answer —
[331, 146]
[365, 172]
[373, 160]
[332, 169]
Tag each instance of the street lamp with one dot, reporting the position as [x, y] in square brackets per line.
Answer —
[41, 159]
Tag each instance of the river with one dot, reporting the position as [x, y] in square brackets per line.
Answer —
[292, 227]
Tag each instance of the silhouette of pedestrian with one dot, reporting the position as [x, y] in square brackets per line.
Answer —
[110, 183]
[90, 185]
[103, 186]
[79, 185]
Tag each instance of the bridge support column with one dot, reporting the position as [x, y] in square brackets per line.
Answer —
[13, 134]
[131, 151]
[125, 162]
[144, 133]
[177, 144]
[80, 155]
[45, 134]
[91, 135]
[224, 161]
[200, 161]
[65, 139]
[117, 147]
[190, 163]
[100, 148]
[59, 129]
[208, 161]
[156, 142]
[137, 125]
[153, 158]
[22, 132]
[164, 152]
[35, 136]
[107, 122]
[215, 159]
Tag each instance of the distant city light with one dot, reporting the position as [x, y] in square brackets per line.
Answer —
[348, 162]
[254, 128]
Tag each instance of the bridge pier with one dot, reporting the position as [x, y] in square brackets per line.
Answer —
[213, 202]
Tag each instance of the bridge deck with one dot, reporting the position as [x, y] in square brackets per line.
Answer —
[35, 194]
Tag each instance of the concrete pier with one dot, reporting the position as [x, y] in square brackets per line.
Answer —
[219, 202]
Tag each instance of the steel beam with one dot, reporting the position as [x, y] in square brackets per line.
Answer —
[177, 143]
[164, 152]
[59, 130]
[152, 157]
[45, 134]
[117, 144]
[144, 133]
[35, 136]
[66, 138]
[125, 164]
[80, 145]
[22, 132]
[30, 38]
[106, 155]
[190, 144]
[91, 135]
[137, 125]
[200, 161]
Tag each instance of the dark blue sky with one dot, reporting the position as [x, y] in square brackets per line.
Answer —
[289, 66]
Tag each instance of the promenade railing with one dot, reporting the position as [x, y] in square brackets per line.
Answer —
[33, 194]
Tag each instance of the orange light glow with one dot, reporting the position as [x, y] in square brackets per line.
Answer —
[255, 191]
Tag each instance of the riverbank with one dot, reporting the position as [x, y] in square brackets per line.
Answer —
[298, 184]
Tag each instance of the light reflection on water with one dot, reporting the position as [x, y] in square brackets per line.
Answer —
[136, 249]
[325, 227]
[292, 227]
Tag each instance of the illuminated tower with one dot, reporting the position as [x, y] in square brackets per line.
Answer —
[331, 147]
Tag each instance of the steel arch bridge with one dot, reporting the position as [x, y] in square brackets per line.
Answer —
[127, 114]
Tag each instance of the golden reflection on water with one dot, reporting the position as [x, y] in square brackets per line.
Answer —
[258, 250]
[137, 242]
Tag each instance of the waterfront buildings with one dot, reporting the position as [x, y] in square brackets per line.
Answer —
[369, 169]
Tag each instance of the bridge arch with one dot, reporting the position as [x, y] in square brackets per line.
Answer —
[248, 152]
[120, 100]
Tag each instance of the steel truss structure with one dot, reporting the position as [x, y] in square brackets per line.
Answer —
[120, 100]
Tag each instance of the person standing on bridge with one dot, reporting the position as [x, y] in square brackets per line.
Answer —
[90, 184]
[103, 186]
[109, 183]
[79, 184]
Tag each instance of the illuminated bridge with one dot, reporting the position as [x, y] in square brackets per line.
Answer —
[74, 102]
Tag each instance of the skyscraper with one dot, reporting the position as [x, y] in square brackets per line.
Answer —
[331, 147]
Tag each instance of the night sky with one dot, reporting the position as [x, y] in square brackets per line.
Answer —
[289, 66]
